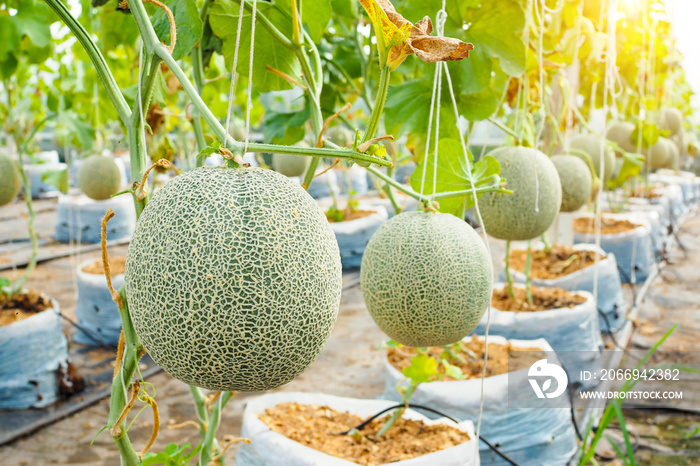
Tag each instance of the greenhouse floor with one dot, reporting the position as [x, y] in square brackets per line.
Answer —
[350, 365]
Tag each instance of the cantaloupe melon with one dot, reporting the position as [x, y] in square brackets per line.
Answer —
[10, 180]
[340, 135]
[592, 145]
[426, 278]
[233, 278]
[576, 181]
[290, 164]
[620, 132]
[671, 119]
[531, 209]
[659, 155]
[99, 177]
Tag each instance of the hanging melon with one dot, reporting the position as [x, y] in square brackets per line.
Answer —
[593, 146]
[426, 278]
[10, 180]
[659, 155]
[532, 208]
[576, 182]
[99, 177]
[233, 278]
[620, 132]
[671, 119]
[290, 164]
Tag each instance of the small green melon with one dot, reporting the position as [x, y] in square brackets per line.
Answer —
[290, 164]
[10, 180]
[340, 135]
[233, 278]
[426, 278]
[532, 208]
[620, 132]
[671, 119]
[576, 182]
[659, 155]
[99, 177]
[592, 145]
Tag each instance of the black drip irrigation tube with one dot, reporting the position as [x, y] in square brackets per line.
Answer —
[87, 333]
[434, 411]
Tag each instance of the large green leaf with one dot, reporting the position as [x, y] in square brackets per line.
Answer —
[223, 17]
[285, 128]
[452, 175]
[34, 19]
[9, 37]
[187, 22]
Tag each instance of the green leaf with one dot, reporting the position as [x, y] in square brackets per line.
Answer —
[315, 15]
[452, 175]
[223, 17]
[345, 8]
[57, 179]
[212, 148]
[452, 370]
[285, 128]
[8, 66]
[187, 22]
[631, 167]
[422, 369]
[9, 37]
[34, 19]
[650, 134]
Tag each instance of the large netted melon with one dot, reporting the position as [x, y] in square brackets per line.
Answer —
[426, 278]
[532, 208]
[620, 132]
[233, 278]
[10, 180]
[593, 145]
[576, 182]
[659, 155]
[671, 119]
[99, 177]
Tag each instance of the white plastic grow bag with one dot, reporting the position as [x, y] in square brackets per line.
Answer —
[270, 448]
[31, 351]
[354, 235]
[611, 301]
[675, 195]
[322, 185]
[633, 249]
[405, 202]
[357, 177]
[525, 435]
[98, 315]
[35, 173]
[80, 218]
[573, 332]
[683, 179]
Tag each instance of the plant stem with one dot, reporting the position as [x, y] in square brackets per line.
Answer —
[198, 78]
[509, 277]
[528, 282]
[207, 451]
[506, 129]
[379, 101]
[17, 286]
[398, 412]
[96, 57]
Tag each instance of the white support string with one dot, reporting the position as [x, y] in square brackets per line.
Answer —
[250, 75]
[430, 129]
[233, 73]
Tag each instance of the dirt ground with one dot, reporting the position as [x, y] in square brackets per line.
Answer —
[349, 365]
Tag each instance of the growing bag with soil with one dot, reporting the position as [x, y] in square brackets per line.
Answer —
[633, 249]
[525, 435]
[270, 448]
[353, 235]
[80, 218]
[574, 333]
[31, 351]
[685, 180]
[611, 300]
[97, 313]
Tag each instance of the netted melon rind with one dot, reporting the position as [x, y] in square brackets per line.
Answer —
[576, 182]
[426, 278]
[10, 180]
[233, 279]
[99, 177]
[532, 208]
[591, 144]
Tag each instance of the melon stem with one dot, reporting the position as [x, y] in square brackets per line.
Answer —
[509, 277]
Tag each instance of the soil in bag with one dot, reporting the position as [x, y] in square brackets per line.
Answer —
[557, 262]
[469, 357]
[117, 266]
[317, 427]
[347, 214]
[608, 226]
[21, 306]
[543, 299]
